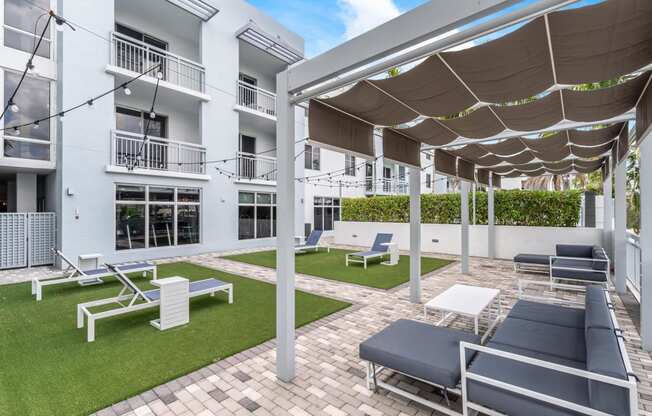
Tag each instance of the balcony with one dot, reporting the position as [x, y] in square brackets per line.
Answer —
[256, 168]
[23, 152]
[130, 57]
[156, 157]
[386, 186]
[256, 100]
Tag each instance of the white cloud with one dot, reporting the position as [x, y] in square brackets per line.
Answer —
[360, 16]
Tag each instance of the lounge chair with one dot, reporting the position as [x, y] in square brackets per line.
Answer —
[579, 263]
[538, 263]
[87, 277]
[312, 242]
[378, 249]
[131, 299]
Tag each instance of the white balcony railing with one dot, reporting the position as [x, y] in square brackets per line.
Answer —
[634, 264]
[386, 186]
[130, 150]
[256, 99]
[136, 56]
[256, 167]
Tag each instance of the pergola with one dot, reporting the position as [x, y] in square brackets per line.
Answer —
[484, 110]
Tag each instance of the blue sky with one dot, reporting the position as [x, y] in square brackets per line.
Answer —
[327, 23]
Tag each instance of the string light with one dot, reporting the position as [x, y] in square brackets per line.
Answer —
[16, 131]
[13, 106]
[37, 124]
[126, 89]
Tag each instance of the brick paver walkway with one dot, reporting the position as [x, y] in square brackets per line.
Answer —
[330, 377]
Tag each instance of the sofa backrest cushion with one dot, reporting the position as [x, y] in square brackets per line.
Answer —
[603, 356]
[600, 258]
[574, 250]
[596, 313]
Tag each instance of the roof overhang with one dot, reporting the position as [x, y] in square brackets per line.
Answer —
[271, 44]
[199, 8]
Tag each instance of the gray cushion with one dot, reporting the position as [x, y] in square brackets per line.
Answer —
[604, 357]
[541, 259]
[560, 341]
[548, 314]
[597, 311]
[574, 250]
[601, 257]
[419, 350]
[538, 355]
[380, 241]
[541, 380]
[196, 286]
[585, 275]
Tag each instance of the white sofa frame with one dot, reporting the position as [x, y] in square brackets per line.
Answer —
[554, 280]
[74, 274]
[630, 384]
[83, 309]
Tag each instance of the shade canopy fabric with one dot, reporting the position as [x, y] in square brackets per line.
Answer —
[523, 82]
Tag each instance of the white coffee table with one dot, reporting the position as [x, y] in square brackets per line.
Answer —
[468, 301]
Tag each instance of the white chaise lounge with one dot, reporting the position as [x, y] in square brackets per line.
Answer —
[74, 274]
[378, 249]
[132, 299]
[312, 242]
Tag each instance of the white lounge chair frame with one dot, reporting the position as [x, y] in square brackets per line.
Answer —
[554, 280]
[351, 258]
[74, 274]
[630, 384]
[316, 247]
[127, 303]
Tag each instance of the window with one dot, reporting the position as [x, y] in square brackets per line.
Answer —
[349, 165]
[313, 157]
[256, 215]
[33, 99]
[23, 27]
[156, 216]
[428, 180]
[135, 121]
[327, 211]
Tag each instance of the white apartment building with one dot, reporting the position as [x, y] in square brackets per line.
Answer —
[205, 178]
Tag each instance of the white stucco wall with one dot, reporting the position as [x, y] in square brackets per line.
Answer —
[446, 238]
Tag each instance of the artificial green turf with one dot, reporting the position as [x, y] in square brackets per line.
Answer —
[48, 368]
[332, 266]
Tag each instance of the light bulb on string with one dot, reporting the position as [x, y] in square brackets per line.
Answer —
[13, 106]
[16, 131]
[37, 124]
[152, 115]
[126, 89]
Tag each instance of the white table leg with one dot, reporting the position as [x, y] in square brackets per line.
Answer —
[475, 322]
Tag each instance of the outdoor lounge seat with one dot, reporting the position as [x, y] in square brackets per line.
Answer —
[131, 299]
[378, 249]
[549, 314]
[88, 277]
[532, 262]
[312, 242]
[579, 263]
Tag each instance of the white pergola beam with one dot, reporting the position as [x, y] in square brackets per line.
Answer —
[415, 235]
[285, 352]
[464, 227]
[620, 227]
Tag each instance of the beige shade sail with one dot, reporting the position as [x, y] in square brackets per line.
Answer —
[496, 180]
[479, 124]
[445, 163]
[429, 88]
[591, 152]
[335, 129]
[623, 144]
[534, 115]
[644, 114]
[601, 42]
[506, 147]
[399, 148]
[483, 176]
[595, 137]
[465, 170]
[429, 132]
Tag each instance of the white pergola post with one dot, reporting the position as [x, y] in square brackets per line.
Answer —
[608, 212]
[620, 227]
[474, 214]
[415, 235]
[465, 225]
[491, 222]
[285, 354]
[645, 149]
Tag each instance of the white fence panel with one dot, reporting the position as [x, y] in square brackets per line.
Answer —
[13, 240]
[41, 238]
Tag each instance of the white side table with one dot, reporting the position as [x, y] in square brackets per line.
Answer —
[89, 261]
[175, 302]
[392, 248]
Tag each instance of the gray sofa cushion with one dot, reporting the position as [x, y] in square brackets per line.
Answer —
[420, 350]
[548, 314]
[588, 274]
[574, 250]
[553, 383]
[538, 355]
[600, 258]
[597, 311]
[538, 259]
[604, 357]
[560, 341]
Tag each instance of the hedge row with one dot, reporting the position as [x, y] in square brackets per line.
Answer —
[514, 207]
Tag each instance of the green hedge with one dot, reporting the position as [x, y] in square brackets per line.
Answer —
[515, 207]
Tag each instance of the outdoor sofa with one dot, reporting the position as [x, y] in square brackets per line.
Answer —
[379, 248]
[543, 360]
[312, 242]
[88, 277]
[579, 263]
[131, 299]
